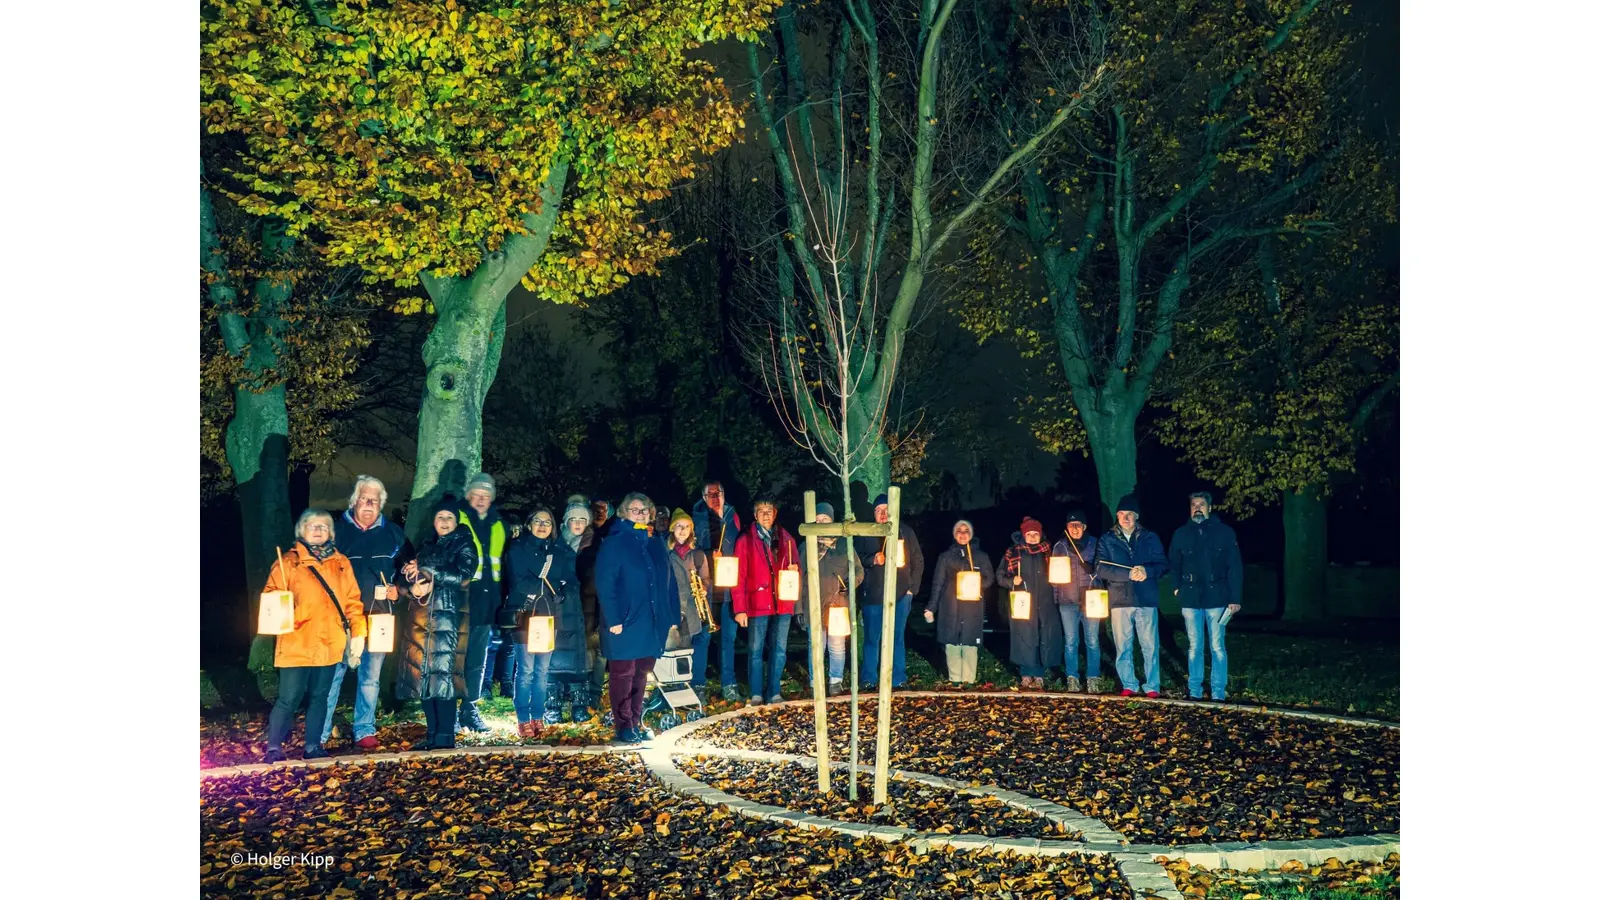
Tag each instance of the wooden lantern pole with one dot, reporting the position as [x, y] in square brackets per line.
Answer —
[891, 567]
[819, 674]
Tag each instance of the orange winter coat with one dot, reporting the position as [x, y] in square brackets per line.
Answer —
[318, 637]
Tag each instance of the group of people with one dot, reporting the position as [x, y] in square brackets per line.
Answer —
[622, 591]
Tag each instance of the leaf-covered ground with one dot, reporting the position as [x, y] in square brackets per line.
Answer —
[911, 805]
[1332, 880]
[559, 827]
[1157, 773]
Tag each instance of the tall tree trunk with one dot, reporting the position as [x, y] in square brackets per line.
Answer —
[462, 355]
[1109, 424]
[1305, 554]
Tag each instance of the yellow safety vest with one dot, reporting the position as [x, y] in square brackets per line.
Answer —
[497, 544]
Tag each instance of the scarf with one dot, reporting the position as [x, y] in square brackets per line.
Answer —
[765, 535]
[319, 552]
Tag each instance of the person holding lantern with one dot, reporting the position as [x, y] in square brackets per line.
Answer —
[638, 600]
[1210, 576]
[542, 576]
[716, 531]
[433, 661]
[961, 576]
[765, 550]
[1035, 635]
[833, 567]
[876, 554]
[693, 573]
[1131, 562]
[329, 626]
[1078, 549]
[573, 676]
[483, 524]
[376, 548]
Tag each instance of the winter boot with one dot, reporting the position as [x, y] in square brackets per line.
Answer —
[469, 718]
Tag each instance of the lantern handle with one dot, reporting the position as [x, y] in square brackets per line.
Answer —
[281, 570]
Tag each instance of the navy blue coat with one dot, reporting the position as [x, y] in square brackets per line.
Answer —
[1206, 565]
[383, 548]
[1082, 557]
[636, 588]
[524, 561]
[702, 528]
[1143, 550]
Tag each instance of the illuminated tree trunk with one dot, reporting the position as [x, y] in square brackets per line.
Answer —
[462, 354]
[1305, 554]
[1109, 421]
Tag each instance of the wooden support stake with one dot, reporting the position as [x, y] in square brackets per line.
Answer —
[815, 641]
[891, 568]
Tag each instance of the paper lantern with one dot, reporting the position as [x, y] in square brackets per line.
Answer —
[1097, 603]
[900, 554]
[727, 574]
[380, 633]
[789, 586]
[969, 586]
[277, 613]
[1060, 570]
[1021, 605]
[839, 621]
[541, 634]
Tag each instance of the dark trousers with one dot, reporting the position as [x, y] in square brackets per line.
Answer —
[294, 683]
[505, 655]
[441, 715]
[627, 690]
[479, 638]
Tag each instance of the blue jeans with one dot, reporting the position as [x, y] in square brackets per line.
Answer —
[730, 633]
[874, 636]
[701, 644]
[838, 645]
[367, 673]
[1072, 618]
[533, 683]
[1127, 622]
[1200, 623]
[766, 663]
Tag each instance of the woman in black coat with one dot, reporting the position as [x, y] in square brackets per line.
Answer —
[960, 622]
[434, 655]
[1036, 641]
[543, 581]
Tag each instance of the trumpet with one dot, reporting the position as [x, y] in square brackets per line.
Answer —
[702, 606]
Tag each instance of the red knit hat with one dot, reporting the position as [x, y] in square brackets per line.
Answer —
[1032, 524]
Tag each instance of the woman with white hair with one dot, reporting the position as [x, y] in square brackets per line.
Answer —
[638, 596]
[960, 622]
[328, 627]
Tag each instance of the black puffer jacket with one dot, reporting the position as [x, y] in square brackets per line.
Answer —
[434, 652]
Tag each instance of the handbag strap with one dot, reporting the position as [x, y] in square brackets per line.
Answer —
[343, 619]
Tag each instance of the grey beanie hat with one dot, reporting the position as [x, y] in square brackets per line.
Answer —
[480, 482]
[577, 510]
[824, 508]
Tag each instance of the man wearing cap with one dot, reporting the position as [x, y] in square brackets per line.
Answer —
[1210, 576]
[488, 532]
[1079, 548]
[1131, 562]
[376, 548]
[876, 554]
[716, 531]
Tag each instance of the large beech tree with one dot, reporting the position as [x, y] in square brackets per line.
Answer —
[470, 146]
[1220, 123]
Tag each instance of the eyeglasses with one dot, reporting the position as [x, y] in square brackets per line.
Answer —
[713, 493]
[544, 521]
[637, 511]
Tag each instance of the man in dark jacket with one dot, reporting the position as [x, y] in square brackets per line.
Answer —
[1079, 548]
[876, 554]
[488, 531]
[1131, 562]
[376, 548]
[834, 571]
[716, 530]
[1210, 576]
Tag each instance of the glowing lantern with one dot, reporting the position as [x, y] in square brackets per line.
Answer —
[1060, 570]
[900, 554]
[839, 621]
[277, 613]
[1097, 603]
[727, 574]
[1021, 605]
[789, 586]
[969, 585]
[380, 626]
[541, 634]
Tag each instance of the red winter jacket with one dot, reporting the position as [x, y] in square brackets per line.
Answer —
[756, 594]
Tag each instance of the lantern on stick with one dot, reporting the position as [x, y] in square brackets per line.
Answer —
[380, 626]
[1021, 605]
[727, 574]
[969, 585]
[1097, 603]
[900, 553]
[277, 607]
[838, 621]
[1060, 570]
[789, 586]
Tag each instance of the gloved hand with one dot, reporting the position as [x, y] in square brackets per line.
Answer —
[352, 652]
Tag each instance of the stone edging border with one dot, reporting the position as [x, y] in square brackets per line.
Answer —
[401, 755]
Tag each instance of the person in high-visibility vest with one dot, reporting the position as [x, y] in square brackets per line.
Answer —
[482, 521]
